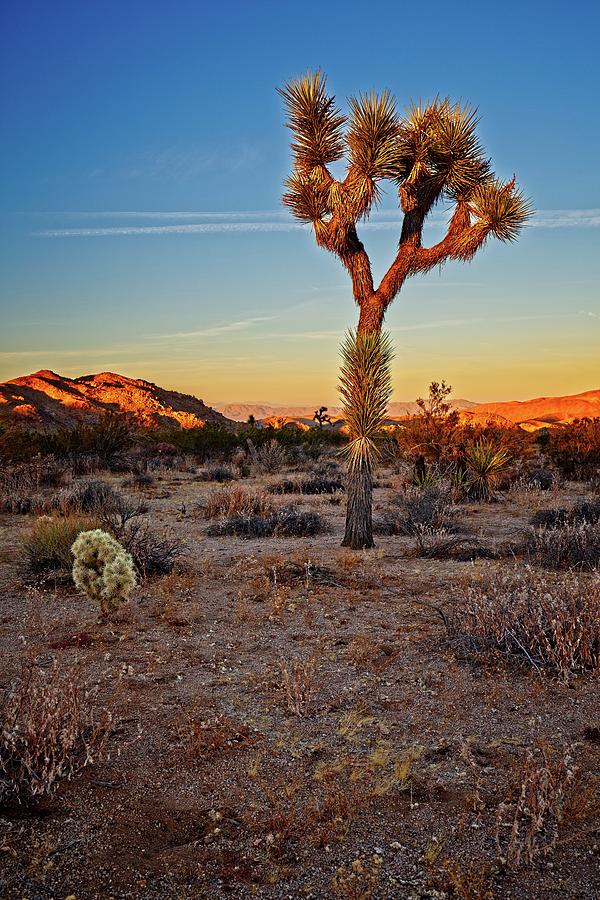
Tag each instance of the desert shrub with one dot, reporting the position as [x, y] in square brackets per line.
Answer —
[139, 479]
[552, 624]
[86, 497]
[49, 731]
[271, 457]
[153, 553]
[550, 518]
[534, 809]
[430, 506]
[431, 433]
[235, 501]
[286, 486]
[585, 511]
[288, 521]
[566, 546]
[485, 464]
[218, 473]
[20, 483]
[47, 547]
[110, 435]
[100, 499]
[18, 444]
[103, 570]
[313, 484]
[435, 543]
[18, 505]
[541, 479]
[574, 449]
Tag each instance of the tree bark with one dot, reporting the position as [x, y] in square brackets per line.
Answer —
[359, 510]
[372, 311]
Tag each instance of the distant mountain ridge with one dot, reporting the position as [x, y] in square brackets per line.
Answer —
[542, 411]
[263, 410]
[50, 400]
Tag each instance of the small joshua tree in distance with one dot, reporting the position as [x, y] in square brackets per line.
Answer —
[321, 417]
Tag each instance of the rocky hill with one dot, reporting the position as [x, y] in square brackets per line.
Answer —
[49, 400]
[541, 411]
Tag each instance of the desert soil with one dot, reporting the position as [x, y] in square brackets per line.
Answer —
[405, 748]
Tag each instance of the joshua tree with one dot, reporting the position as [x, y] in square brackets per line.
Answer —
[365, 388]
[431, 154]
[321, 417]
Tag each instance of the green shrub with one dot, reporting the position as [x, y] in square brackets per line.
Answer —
[48, 545]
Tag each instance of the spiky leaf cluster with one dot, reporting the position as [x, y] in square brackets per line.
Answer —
[315, 121]
[365, 386]
[501, 207]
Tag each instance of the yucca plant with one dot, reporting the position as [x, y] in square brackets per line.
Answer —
[431, 154]
[485, 466]
[365, 389]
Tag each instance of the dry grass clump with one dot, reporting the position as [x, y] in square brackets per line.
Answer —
[314, 484]
[566, 546]
[359, 881]
[430, 506]
[217, 735]
[101, 500]
[50, 730]
[218, 473]
[298, 684]
[236, 501]
[268, 459]
[552, 625]
[287, 521]
[528, 822]
[153, 552]
[47, 547]
[586, 511]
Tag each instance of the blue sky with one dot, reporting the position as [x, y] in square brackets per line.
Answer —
[143, 153]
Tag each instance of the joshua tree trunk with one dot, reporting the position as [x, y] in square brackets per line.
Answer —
[359, 511]
[371, 316]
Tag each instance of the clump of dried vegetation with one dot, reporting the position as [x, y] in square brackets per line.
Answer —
[236, 501]
[562, 546]
[528, 822]
[551, 624]
[50, 729]
[286, 521]
[430, 506]
[298, 684]
[47, 547]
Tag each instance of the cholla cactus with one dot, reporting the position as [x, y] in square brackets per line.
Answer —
[103, 569]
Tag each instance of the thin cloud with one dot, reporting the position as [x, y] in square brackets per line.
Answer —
[215, 330]
[239, 222]
[197, 228]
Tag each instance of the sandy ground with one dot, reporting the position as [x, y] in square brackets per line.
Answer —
[404, 750]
